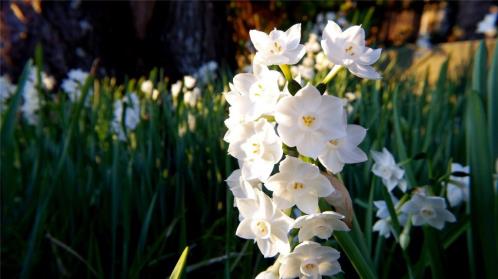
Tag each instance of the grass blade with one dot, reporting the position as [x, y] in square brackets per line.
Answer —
[482, 194]
[180, 265]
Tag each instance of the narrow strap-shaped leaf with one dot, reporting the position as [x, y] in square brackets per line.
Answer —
[482, 194]
[479, 70]
[493, 103]
[354, 254]
[180, 265]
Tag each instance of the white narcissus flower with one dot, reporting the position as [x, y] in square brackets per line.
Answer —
[264, 223]
[458, 187]
[384, 224]
[131, 105]
[309, 120]
[428, 210]
[176, 89]
[191, 97]
[74, 83]
[7, 89]
[253, 95]
[344, 150]
[310, 260]
[189, 82]
[256, 146]
[298, 183]
[386, 168]
[242, 188]
[147, 87]
[348, 49]
[321, 225]
[278, 47]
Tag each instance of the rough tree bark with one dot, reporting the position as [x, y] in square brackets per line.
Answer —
[128, 38]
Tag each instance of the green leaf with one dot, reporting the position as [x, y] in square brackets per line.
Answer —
[180, 265]
[493, 104]
[482, 194]
[321, 87]
[479, 70]
[293, 87]
[354, 254]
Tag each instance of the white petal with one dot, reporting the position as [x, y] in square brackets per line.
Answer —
[290, 267]
[259, 39]
[244, 230]
[307, 203]
[352, 155]
[295, 55]
[355, 134]
[312, 144]
[322, 186]
[331, 31]
[363, 71]
[370, 56]
[355, 34]
[330, 160]
[293, 36]
[243, 82]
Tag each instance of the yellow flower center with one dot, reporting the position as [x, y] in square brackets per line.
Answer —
[256, 148]
[309, 267]
[277, 48]
[308, 120]
[297, 186]
[427, 212]
[262, 227]
[349, 50]
[334, 142]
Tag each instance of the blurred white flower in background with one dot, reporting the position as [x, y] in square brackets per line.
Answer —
[31, 103]
[487, 25]
[7, 89]
[321, 225]
[278, 47]
[257, 147]
[298, 183]
[348, 49]
[130, 106]
[458, 187]
[207, 72]
[73, 85]
[309, 120]
[310, 260]
[147, 87]
[191, 97]
[386, 168]
[176, 88]
[189, 81]
[344, 150]
[264, 223]
[428, 210]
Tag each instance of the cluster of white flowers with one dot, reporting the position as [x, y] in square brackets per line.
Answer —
[421, 208]
[7, 89]
[147, 87]
[126, 115]
[191, 93]
[73, 85]
[267, 122]
[31, 97]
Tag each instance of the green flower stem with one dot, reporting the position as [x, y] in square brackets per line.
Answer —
[335, 69]
[286, 71]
